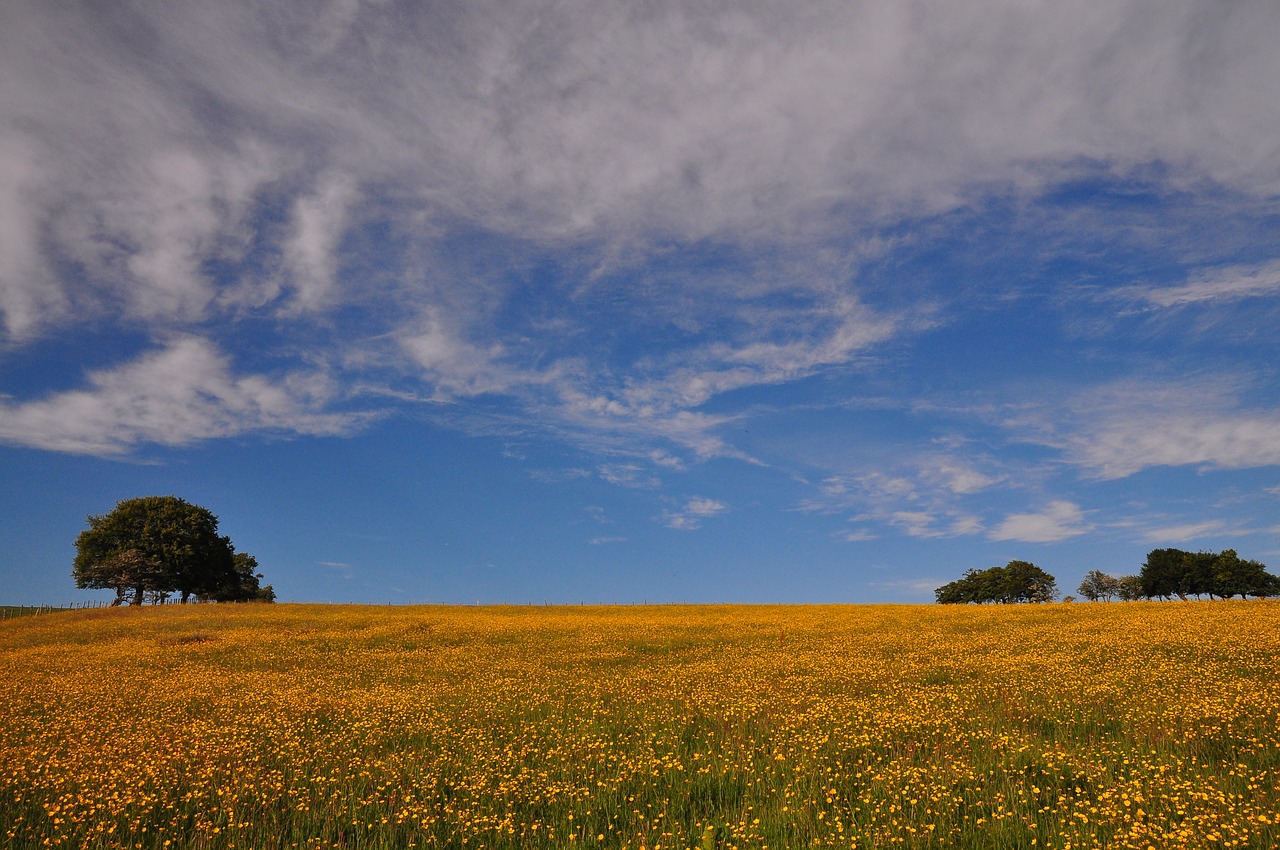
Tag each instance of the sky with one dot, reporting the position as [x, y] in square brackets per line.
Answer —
[642, 302]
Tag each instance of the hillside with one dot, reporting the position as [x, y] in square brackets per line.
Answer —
[1122, 725]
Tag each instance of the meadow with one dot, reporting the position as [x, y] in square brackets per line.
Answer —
[1136, 725]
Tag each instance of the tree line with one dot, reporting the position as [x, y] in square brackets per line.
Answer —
[150, 548]
[1166, 574]
[1170, 573]
[1018, 581]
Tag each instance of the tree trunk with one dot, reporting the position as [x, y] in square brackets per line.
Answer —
[137, 596]
[185, 594]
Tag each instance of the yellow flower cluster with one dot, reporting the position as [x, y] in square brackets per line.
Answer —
[1066, 726]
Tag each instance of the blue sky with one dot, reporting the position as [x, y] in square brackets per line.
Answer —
[617, 302]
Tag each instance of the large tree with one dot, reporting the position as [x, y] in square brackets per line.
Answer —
[1233, 575]
[153, 544]
[1164, 573]
[1018, 581]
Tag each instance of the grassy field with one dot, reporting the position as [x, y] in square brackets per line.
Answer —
[1071, 726]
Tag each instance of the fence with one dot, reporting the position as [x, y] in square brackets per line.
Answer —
[8, 612]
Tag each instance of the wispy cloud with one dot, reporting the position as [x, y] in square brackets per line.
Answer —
[628, 475]
[175, 396]
[1059, 520]
[1128, 444]
[1234, 283]
[605, 223]
[1183, 533]
[1119, 429]
[695, 510]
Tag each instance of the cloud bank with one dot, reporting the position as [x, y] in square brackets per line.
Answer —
[621, 221]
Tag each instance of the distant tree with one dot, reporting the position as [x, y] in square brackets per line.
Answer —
[1196, 578]
[1173, 572]
[153, 545]
[959, 591]
[1097, 585]
[1025, 582]
[1162, 575]
[242, 584]
[1232, 575]
[1018, 581]
[1129, 588]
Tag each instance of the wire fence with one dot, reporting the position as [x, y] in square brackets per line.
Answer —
[8, 612]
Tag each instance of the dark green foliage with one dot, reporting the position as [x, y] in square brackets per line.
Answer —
[1161, 575]
[1173, 572]
[243, 584]
[1231, 575]
[1197, 575]
[157, 545]
[1018, 581]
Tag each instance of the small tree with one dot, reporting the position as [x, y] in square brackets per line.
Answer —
[1097, 585]
[155, 544]
[1019, 581]
[1129, 588]
[243, 584]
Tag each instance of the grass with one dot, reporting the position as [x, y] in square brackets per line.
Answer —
[1068, 726]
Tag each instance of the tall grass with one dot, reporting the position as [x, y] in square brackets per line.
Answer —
[1135, 725]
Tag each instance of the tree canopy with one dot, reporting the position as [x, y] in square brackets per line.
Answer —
[1018, 581]
[1173, 572]
[1169, 573]
[1098, 585]
[157, 545]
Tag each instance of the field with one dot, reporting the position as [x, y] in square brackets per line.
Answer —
[1070, 726]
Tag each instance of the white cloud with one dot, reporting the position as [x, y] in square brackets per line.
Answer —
[955, 475]
[1119, 429]
[965, 525]
[704, 507]
[1060, 520]
[1182, 533]
[695, 510]
[311, 249]
[179, 395]
[598, 121]
[916, 523]
[1213, 286]
[1124, 445]
[628, 475]
[194, 160]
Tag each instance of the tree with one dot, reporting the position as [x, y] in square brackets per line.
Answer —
[1097, 585]
[1172, 572]
[154, 544]
[1162, 575]
[1197, 575]
[1025, 582]
[1019, 581]
[1129, 588]
[1232, 575]
[243, 584]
